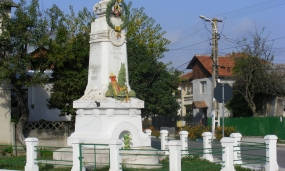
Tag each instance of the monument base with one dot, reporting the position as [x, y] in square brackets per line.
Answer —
[109, 119]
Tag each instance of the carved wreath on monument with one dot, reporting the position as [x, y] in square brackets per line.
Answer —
[119, 10]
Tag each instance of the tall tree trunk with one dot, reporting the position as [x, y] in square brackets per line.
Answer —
[22, 104]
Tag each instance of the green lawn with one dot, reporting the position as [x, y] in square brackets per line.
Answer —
[189, 163]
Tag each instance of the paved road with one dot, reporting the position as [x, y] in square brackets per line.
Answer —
[155, 143]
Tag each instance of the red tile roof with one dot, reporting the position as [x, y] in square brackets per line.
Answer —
[199, 104]
[226, 64]
[187, 76]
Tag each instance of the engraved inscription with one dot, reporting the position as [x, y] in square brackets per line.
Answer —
[95, 54]
[95, 60]
[116, 52]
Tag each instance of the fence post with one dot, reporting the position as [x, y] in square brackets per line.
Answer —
[31, 154]
[184, 141]
[237, 155]
[228, 156]
[76, 155]
[207, 145]
[115, 157]
[174, 155]
[148, 132]
[271, 154]
[163, 139]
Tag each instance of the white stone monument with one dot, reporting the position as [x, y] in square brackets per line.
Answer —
[99, 118]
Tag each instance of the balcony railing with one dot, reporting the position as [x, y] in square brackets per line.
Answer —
[188, 99]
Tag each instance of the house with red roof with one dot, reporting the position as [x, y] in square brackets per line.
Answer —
[185, 93]
[201, 66]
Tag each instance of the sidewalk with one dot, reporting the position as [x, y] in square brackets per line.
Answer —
[258, 140]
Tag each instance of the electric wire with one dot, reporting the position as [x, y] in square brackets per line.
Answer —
[188, 46]
[233, 14]
[230, 15]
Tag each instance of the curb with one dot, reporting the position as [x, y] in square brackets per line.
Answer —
[280, 145]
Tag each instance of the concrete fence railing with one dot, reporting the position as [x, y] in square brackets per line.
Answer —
[175, 150]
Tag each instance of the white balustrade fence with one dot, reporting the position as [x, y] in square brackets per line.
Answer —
[230, 156]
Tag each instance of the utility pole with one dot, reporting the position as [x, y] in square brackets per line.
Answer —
[215, 73]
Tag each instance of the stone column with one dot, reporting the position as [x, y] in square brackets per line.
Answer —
[184, 141]
[207, 146]
[174, 155]
[237, 155]
[148, 132]
[76, 154]
[228, 156]
[163, 139]
[31, 154]
[271, 154]
[115, 157]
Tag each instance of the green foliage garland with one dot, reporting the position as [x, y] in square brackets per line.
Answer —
[109, 11]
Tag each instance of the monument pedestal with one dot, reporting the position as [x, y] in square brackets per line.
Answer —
[98, 123]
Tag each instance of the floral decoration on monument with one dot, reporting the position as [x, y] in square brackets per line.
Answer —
[118, 89]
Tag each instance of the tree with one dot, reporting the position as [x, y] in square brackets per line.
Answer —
[240, 108]
[254, 73]
[27, 29]
[70, 53]
[151, 79]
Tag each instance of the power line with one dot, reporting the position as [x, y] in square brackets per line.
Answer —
[230, 15]
[188, 46]
[252, 9]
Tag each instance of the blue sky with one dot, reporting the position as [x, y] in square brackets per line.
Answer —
[180, 19]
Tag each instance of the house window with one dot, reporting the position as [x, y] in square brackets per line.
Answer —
[189, 90]
[203, 87]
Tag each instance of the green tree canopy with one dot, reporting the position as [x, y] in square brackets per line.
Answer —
[254, 74]
[28, 29]
[70, 53]
[151, 79]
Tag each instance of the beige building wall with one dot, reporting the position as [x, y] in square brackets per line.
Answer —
[5, 115]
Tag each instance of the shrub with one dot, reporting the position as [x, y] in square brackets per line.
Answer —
[196, 131]
[227, 131]
[45, 153]
[155, 133]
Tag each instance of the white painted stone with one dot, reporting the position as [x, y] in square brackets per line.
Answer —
[148, 132]
[207, 145]
[237, 155]
[76, 154]
[116, 158]
[174, 155]
[271, 153]
[228, 155]
[163, 139]
[100, 119]
[184, 141]
[31, 154]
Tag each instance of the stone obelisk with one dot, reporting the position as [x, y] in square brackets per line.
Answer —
[108, 108]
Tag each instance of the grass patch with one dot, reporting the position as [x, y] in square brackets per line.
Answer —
[189, 163]
[13, 163]
[196, 163]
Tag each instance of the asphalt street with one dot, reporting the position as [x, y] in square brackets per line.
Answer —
[155, 143]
